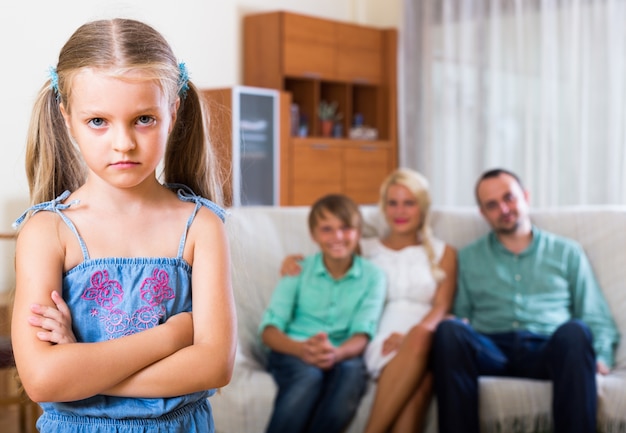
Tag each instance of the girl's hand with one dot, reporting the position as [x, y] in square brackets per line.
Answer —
[55, 323]
[392, 343]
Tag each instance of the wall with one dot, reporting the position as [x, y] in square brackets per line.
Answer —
[206, 34]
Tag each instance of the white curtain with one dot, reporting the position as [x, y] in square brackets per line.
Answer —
[534, 86]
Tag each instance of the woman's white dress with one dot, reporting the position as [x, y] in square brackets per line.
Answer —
[410, 291]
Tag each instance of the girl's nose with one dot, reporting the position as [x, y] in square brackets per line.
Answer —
[123, 141]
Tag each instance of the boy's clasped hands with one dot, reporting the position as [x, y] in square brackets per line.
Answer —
[319, 351]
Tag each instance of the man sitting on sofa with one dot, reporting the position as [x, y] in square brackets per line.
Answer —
[528, 305]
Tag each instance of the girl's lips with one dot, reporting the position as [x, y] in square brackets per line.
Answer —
[124, 164]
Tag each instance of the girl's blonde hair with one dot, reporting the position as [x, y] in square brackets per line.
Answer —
[418, 186]
[117, 46]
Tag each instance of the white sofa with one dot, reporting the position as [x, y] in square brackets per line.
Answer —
[261, 237]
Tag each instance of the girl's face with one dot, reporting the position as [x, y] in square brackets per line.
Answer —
[402, 211]
[336, 239]
[121, 125]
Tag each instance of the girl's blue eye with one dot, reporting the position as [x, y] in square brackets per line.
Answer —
[145, 120]
[97, 122]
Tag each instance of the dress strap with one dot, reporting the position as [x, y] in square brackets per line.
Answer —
[186, 194]
[57, 206]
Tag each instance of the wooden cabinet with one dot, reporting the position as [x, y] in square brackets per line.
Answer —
[365, 167]
[315, 60]
[353, 167]
[249, 130]
[359, 54]
[308, 47]
[317, 170]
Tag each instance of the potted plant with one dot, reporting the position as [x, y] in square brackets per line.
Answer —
[328, 115]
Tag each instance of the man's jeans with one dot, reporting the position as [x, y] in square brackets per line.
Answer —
[313, 400]
[461, 355]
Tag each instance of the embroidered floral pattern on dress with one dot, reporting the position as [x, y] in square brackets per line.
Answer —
[146, 317]
[116, 323]
[155, 289]
[107, 294]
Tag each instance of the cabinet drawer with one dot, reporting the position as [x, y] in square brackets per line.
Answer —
[366, 166]
[316, 171]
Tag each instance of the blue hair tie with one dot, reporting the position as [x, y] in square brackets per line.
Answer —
[183, 79]
[54, 80]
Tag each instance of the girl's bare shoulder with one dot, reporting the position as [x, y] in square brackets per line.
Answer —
[43, 234]
[41, 225]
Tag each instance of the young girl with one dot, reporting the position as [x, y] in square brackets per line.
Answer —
[318, 324]
[110, 259]
[421, 272]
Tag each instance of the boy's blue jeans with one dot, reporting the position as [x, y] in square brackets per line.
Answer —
[461, 355]
[313, 400]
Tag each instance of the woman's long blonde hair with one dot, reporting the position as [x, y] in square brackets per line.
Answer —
[418, 186]
[117, 46]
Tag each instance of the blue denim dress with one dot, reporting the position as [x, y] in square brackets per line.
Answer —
[113, 297]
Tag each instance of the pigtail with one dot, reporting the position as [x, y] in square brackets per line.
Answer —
[190, 157]
[53, 164]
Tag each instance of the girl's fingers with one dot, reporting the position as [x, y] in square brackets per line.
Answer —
[45, 336]
[44, 323]
[60, 303]
[47, 312]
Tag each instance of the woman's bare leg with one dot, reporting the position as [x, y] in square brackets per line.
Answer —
[399, 380]
[413, 416]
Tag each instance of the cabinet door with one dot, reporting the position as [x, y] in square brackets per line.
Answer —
[359, 54]
[308, 47]
[255, 146]
[316, 170]
[366, 166]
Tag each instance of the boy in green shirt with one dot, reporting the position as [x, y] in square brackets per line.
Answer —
[318, 324]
